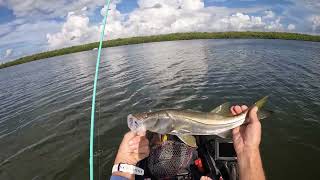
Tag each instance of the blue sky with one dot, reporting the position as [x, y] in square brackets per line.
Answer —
[33, 26]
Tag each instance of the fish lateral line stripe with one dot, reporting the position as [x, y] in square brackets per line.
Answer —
[211, 124]
[234, 119]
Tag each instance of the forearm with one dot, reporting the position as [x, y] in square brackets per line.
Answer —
[118, 177]
[133, 148]
[250, 165]
[123, 174]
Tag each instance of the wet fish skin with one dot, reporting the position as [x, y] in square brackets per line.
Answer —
[184, 123]
[178, 122]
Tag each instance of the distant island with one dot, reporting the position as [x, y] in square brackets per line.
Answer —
[165, 37]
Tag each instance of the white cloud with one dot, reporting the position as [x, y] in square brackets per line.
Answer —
[36, 27]
[308, 3]
[74, 31]
[5, 55]
[29, 32]
[8, 53]
[84, 8]
[161, 17]
[269, 14]
[113, 14]
[78, 30]
[274, 25]
[291, 27]
[315, 20]
[42, 9]
[25, 38]
[6, 28]
[239, 22]
[176, 4]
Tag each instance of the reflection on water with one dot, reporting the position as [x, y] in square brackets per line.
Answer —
[45, 105]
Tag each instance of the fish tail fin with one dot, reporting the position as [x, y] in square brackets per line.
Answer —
[262, 114]
[260, 102]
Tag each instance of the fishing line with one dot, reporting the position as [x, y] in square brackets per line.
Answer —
[104, 22]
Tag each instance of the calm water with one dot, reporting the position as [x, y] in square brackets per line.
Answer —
[45, 105]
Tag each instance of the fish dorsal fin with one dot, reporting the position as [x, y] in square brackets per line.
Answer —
[223, 109]
[188, 140]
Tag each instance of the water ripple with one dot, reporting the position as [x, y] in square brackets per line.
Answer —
[45, 105]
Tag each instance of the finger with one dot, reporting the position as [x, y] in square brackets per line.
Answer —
[205, 178]
[236, 134]
[140, 156]
[129, 135]
[235, 130]
[141, 133]
[244, 108]
[136, 145]
[236, 137]
[132, 148]
[142, 150]
[138, 141]
[232, 111]
[237, 109]
[141, 143]
[253, 117]
[135, 140]
[144, 141]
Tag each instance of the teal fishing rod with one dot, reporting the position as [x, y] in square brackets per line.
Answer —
[93, 108]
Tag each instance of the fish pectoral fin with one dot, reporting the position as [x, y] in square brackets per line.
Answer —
[183, 131]
[225, 134]
[188, 140]
[223, 109]
[262, 114]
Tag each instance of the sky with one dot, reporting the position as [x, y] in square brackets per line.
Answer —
[33, 26]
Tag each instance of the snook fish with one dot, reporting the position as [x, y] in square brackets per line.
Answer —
[184, 123]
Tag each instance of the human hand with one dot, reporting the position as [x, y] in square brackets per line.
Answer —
[247, 137]
[133, 148]
[205, 178]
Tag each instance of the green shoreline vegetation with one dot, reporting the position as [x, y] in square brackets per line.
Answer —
[165, 37]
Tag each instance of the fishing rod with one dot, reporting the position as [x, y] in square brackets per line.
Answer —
[95, 82]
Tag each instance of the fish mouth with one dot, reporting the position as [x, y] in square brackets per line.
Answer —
[135, 124]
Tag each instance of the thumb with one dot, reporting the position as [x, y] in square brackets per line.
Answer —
[141, 133]
[129, 135]
[253, 117]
